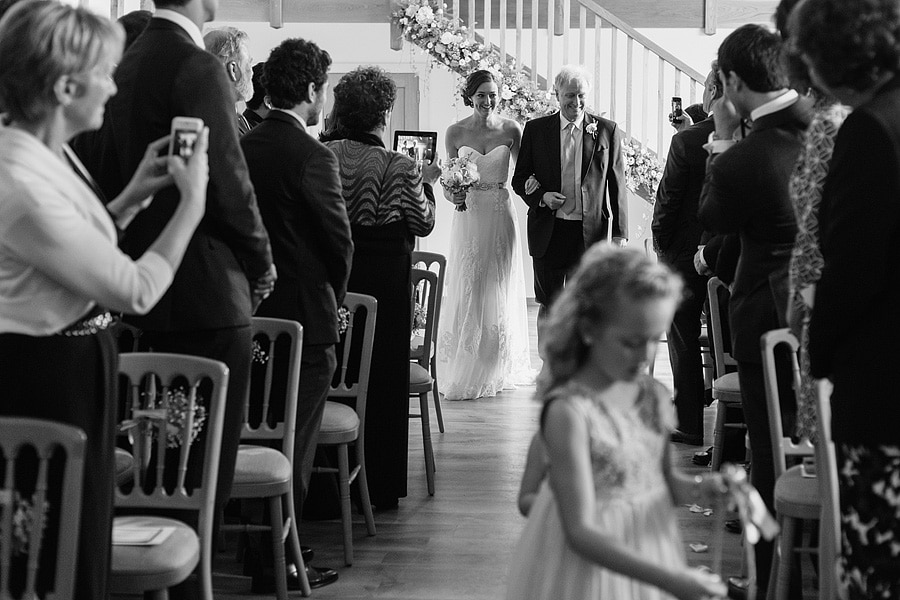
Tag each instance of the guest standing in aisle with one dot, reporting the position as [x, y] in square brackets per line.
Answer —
[390, 201]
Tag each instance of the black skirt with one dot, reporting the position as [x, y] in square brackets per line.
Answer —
[71, 380]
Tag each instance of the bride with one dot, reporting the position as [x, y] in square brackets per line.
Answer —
[483, 331]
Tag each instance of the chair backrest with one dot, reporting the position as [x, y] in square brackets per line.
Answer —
[424, 286]
[271, 409]
[826, 472]
[351, 379]
[718, 296]
[782, 445]
[162, 394]
[436, 263]
[32, 493]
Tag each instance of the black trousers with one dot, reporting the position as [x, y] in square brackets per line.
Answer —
[684, 351]
[553, 268]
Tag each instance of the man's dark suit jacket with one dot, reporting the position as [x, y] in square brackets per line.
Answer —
[602, 180]
[676, 229]
[855, 324]
[746, 191]
[299, 192]
[161, 76]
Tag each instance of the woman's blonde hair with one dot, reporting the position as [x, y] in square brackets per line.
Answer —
[41, 41]
[606, 277]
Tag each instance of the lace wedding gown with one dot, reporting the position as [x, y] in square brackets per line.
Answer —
[483, 329]
[633, 506]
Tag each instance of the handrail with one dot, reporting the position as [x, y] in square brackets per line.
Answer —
[643, 40]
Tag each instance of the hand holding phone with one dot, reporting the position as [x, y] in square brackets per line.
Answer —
[677, 111]
[185, 132]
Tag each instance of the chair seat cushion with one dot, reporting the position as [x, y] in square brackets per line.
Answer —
[727, 383]
[797, 496]
[257, 464]
[340, 424]
[419, 376]
[136, 569]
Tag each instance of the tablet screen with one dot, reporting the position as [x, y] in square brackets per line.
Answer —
[418, 145]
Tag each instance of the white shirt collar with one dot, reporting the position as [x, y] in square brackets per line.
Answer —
[563, 122]
[293, 114]
[182, 21]
[772, 106]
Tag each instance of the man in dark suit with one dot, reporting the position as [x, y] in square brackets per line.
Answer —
[746, 191]
[676, 235]
[227, 268]
[256, 109]
[577, 160]
[299, 189]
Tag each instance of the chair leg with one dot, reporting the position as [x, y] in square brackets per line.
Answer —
[363, 484]
[718, 436]
[426, 441]
[437, 395]
[786, 552]
[346, 515]
[277, 524]
[295, 544]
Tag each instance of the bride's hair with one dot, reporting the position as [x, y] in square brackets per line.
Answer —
[606, 277]
[474, 80]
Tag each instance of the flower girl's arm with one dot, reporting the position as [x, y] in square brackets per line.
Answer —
[571, 477]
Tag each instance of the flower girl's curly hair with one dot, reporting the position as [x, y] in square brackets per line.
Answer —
[606, 277]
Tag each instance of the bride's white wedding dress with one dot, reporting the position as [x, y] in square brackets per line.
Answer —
[483, 330]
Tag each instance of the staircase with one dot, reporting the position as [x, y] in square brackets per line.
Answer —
[633, 77]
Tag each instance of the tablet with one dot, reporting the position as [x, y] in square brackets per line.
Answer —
[418, 145]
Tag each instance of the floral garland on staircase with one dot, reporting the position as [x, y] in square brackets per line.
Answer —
[447, 41]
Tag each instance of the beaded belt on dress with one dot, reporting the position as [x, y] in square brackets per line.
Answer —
[488, 186]
[89, 326]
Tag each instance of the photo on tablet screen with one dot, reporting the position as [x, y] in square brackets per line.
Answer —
[418, 145]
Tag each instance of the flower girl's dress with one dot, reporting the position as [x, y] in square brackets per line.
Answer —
[633, 505]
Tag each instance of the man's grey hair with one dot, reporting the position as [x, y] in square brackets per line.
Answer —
[569, 74]
[225, 42]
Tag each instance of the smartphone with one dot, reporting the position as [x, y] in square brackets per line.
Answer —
[185, 131]
[676, 109]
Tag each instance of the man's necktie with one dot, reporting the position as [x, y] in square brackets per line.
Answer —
[568, 174]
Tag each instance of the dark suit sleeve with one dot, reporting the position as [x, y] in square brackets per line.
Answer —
[615, 184]
[670, 196]
[320, 182]
[858, 224]
[525, 167]
[231, 209]
[721, 254]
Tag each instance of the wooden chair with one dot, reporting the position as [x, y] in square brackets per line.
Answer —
[796, 496]
[830, 587]
[160, 479]
[726, 388]
[263, 471]
[431, 261]
[343, 425]
[32, 492]
[420, 381]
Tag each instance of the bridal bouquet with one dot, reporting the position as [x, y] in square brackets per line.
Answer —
[458, 175]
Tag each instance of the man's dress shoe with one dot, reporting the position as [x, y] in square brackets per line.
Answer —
[264, 583]
[691, 439]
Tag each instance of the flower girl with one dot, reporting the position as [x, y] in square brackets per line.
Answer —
[603, 524]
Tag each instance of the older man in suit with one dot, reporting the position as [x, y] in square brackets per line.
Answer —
[746, 192]
[229, 44]
[578, 162]
[676, 235]
[299, 190]
[227, 268]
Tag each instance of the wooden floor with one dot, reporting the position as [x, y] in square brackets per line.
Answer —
[457, 544]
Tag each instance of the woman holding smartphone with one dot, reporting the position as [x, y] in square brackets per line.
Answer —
[60, 268]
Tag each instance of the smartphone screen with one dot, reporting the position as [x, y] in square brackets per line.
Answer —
[183, 142]
[676, 109]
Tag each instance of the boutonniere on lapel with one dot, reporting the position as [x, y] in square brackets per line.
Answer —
[591, 129]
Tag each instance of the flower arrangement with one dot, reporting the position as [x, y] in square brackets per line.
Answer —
[175, 414]
[260, 356]
[343, 319]
[24, 519]
[458, 175]
[448, 41]
[642, 170]
[420, 316]
[591, 129]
